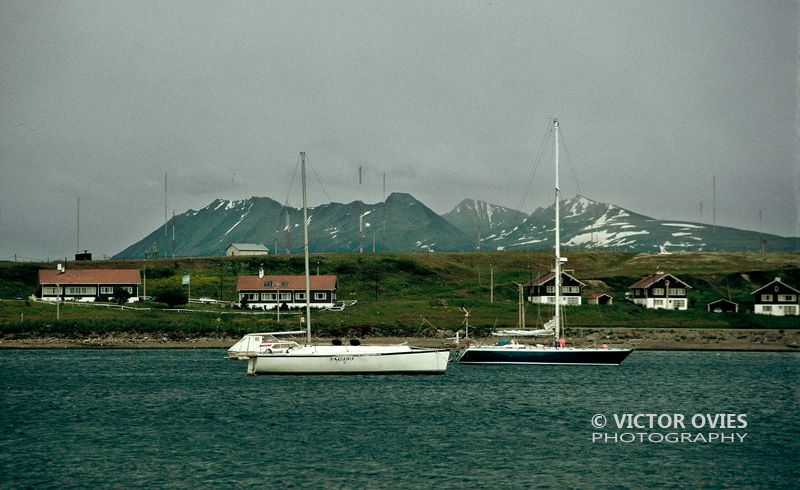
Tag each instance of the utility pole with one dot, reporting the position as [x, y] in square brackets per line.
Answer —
[165, 205]
[491, 284]
[477, 230]
[144, 279]
[714, 203]
[384, 205]
[360, 216]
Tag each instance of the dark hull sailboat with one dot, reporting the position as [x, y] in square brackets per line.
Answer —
[513, 352]
[526, 354]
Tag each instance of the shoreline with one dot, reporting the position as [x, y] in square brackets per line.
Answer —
[671, 339]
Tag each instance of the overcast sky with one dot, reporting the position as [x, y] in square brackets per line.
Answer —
[99, 100]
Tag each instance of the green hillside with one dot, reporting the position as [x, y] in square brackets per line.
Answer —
[409, 294]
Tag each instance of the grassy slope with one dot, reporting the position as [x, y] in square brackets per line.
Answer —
[413, 294]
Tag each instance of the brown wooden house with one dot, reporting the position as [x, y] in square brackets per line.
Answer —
[776, 298]
[267, 292]
[88, 285]
[661, 291]
[542, 290]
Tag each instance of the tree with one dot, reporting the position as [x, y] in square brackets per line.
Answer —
[171, 295]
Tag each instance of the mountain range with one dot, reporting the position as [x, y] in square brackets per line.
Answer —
[404, 224]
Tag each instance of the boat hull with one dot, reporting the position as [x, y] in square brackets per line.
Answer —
[351, 361]
[542, 355]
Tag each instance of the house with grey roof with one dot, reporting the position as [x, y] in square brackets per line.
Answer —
[235, 249]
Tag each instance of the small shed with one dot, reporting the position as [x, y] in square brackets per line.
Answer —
[601, 299]
[723, 306]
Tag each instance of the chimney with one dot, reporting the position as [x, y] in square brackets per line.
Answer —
[61, 269]
[261, 273]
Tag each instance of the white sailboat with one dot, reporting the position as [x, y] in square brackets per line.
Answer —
[513, 352]
[266, 354]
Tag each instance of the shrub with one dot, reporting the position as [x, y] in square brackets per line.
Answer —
[121, 296]
[171, 295]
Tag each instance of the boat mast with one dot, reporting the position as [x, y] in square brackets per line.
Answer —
[305, 246]
[557, 316]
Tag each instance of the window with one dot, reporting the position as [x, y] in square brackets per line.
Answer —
[766, 297]
[658, 302]
[573, 300]
[286, 296]
[127, 288]
[766, 309]
[789, 298]
[300, 296]
[106, 290]
[248, 296]
[551, 289]
[320, 296]
[50, 290]
[269, 296]
[80, 290]
[677, 292]
[677, 305]
[790, 310]
[571, 289]
[658, 291]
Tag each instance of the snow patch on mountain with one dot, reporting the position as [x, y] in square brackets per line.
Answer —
[683, 225]
[577, 206]
[241, 218]
[605, 238]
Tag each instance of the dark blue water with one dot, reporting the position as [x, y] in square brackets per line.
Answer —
[191, 418]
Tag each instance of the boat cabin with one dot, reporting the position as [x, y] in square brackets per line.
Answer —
[254, 344]
[776, 298]
[266, 292]
[661, 291]
[542, 290]
[88, 285]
